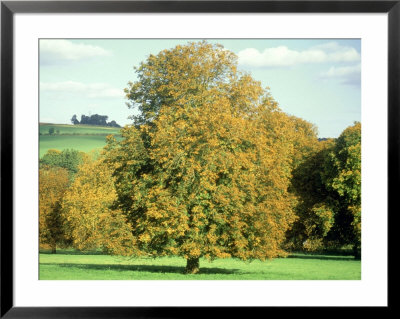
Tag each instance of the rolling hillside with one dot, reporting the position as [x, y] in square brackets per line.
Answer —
[80, 137]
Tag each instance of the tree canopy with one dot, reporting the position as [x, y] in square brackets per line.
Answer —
[90, 221]
[328, 186]
[68, 158]
[313, 208]
[183, 75]
[343, 178]
[53, 183]
[205, 171]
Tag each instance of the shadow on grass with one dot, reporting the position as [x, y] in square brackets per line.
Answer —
[71, 252]
[144, 268]
[321, 257]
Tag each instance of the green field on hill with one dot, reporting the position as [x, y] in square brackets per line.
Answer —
[74, 265]
[83, 138]
[78, 129]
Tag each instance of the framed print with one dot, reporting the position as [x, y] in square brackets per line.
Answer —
[161, 156]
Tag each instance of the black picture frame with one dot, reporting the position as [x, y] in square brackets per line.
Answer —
[9, 8]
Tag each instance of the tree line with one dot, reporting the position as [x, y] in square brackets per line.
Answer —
[210, 168]
[94, 119]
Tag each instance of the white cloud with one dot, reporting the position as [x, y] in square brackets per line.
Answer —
[64, 50]
[283, 56]
[88, 90]
[347, 74]
[343, 71]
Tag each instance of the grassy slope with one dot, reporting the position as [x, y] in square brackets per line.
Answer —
[84, 143]
[68, 265]
[78, 129]
[80, 137]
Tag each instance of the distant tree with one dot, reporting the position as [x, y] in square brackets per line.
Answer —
[328, 188]
[97, 119]
[85, 119]
[304, 137]
[74, 120]
[315, 215]
[53, 182]
[102, 119]
[343, 177]
[51, 130]
[113, 124]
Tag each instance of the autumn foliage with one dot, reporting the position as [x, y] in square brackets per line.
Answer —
[205, 172]
[53, 183]
[211, 168]
[90, 221]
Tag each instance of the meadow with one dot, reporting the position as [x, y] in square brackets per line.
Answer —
[74, 265]
[83, 138]
[78, 129]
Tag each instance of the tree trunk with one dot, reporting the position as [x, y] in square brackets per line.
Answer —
[357, 251]
[53, 249]
[192, 266]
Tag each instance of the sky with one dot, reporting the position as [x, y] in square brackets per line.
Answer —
[318, 80]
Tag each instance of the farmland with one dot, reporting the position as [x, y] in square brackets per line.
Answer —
[78, 129]
[80, 137]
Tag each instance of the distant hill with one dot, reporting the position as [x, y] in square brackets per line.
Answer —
[79, 137]
[77, 129]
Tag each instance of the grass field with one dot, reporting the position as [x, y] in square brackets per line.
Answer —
[78, 129]
[79, 137]
[84, 143]
[71, 265]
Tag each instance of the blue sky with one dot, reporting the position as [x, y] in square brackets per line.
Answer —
[318, 80]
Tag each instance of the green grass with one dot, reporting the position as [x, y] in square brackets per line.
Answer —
[83, 138]
[71, 265]
[84, 143]
[78, 129]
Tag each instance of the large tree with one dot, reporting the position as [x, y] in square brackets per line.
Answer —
[205, 171]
